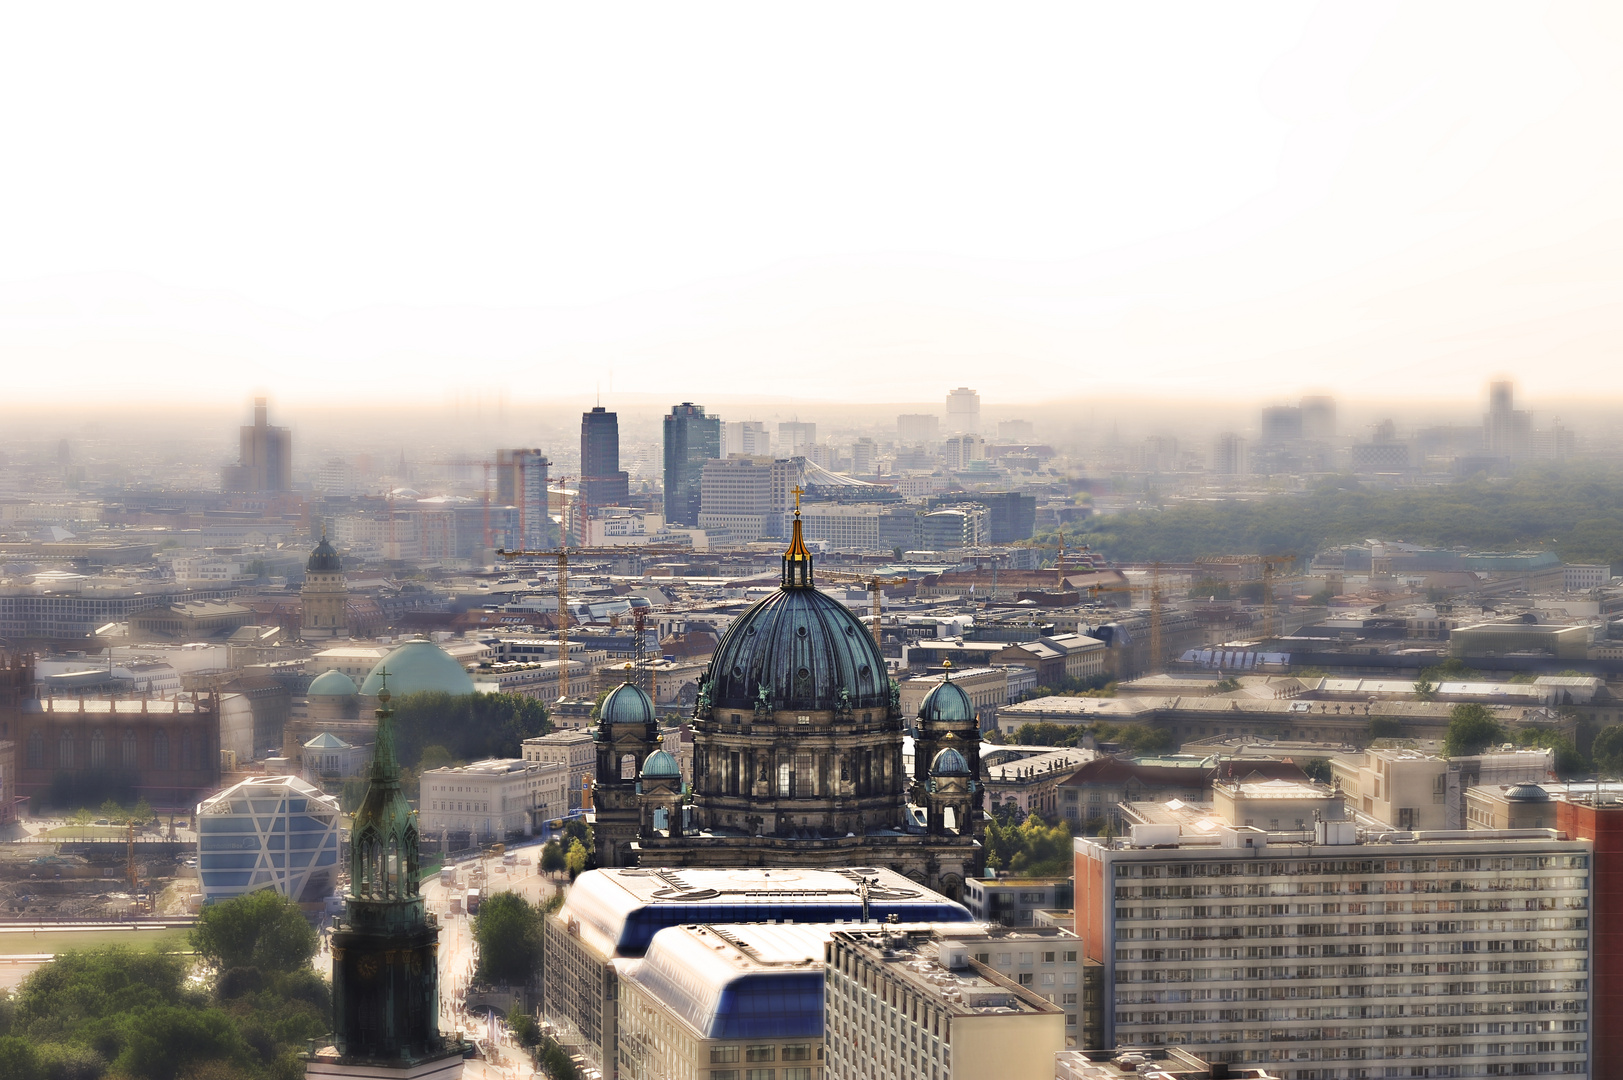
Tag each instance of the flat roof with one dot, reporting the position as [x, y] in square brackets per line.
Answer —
[970, 990]
[619, 910]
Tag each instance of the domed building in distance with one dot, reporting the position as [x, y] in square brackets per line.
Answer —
[324, 597]
[797, 755]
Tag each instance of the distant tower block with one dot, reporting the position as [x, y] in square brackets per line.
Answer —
[963, 411]
[324, 599]
[266, 459]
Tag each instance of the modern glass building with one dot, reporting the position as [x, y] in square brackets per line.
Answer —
[268, 832]
[691, 439]
[614, 914]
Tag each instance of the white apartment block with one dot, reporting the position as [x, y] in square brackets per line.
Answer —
[496, 798]
[1581, 577]
[1339, 952]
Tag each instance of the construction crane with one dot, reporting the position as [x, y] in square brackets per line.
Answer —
[875, 586]
[1157, 655]
[562, 554]
[1268, 564]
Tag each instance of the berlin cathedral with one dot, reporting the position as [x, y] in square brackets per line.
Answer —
[797, 757]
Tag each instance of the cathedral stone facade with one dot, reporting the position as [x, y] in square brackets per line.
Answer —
[797, 757]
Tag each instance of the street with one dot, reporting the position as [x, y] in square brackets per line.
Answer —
[507, 1061]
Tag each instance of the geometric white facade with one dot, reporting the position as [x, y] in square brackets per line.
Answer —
[268, 832]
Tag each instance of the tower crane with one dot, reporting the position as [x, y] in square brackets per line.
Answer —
[562, 554]
[1268, 563]
[875, 586]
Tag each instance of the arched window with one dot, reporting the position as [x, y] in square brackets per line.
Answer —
[64, 751]
[131, 753]
[98, 750]
[628, 767]
[185, 750]
[160, 750]
[36, 750]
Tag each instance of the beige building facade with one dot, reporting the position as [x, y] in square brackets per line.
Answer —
[492, 799]
[571, 749]
[917, 1006]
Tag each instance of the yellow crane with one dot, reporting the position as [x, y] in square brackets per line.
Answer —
[875, 586]
[1268, 563]
[1157, 655]
[562, 554]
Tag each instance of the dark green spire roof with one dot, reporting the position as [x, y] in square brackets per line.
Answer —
[383, 834]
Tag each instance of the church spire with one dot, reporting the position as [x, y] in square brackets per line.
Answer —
[797, 561]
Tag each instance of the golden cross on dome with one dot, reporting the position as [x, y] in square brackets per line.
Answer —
[798, 492]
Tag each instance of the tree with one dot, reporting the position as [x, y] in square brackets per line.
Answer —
[552, 858]
[1471, 730]
[261, 929]
[114, 812]
[142, 812]
[1385, 727]
[18, 1060]
[1568, 761]
[1425, 689]
[1028, 848]
[509, 930]
[469, 728]
[434, 757]
[575, 859]
[81, 817]
[1318, 769]
[524, 1028]
[159, 1042]
[1607, 750]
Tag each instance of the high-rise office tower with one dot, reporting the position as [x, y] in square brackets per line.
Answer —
[691, 439]
[1506, 430]
[601, 481]
[963, 411]
[915, 428]
[1228, 455]
[864, 456]
[747, 437]
[266, 461]
[1318, 417]
[794, 437]
[521, 481]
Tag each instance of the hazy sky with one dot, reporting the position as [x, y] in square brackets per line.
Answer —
[859, 201]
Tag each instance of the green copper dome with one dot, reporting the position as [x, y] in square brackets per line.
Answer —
[419, 667]
[949, 763]
[660, 764]
[947, 702]
[626, 704]
[798, 650]
[332, 683]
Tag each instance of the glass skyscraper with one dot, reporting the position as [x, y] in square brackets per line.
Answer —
[691, 439]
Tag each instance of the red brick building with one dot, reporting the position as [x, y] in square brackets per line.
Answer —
[1601, 822]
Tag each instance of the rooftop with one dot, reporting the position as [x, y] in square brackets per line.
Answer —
[488, 767]
[1147, 1063]
[962, 986]
[619, 910]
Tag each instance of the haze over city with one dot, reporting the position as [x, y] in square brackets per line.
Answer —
[1377, 200]
[811, 542]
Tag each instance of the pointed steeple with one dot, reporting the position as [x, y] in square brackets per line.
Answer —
[797, 561]
[383, 836]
